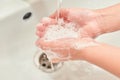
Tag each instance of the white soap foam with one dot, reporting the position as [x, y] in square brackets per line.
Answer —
[61, 30]
[65, 30]
[58, 31]
[80, 45]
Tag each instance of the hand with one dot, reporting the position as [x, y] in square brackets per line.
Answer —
[66, 48]
[88, 20]
[92, 23]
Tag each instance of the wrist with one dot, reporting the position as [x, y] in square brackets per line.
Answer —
[108, 19]
[100, 19]
[83, 52]
[90, 53]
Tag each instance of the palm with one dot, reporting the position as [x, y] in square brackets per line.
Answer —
[86, 20]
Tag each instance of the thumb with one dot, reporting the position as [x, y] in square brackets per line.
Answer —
[63, 13]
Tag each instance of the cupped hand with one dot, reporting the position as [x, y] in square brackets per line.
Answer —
[66, 48]
[86, 19]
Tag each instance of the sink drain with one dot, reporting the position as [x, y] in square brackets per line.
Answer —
[27, 15]
[43, 63]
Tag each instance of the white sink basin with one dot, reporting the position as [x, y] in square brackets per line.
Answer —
[17, 40]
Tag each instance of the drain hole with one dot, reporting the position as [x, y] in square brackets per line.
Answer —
[27, 15]
[49, 67]
[44, 65]
[44, 60]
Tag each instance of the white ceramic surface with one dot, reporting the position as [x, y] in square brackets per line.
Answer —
[17, 41]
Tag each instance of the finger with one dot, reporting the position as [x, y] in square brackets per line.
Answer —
[60, 47]
[45, 22]
[63, 13]
[48, 21]
[40, 30]
[40, 34]
[41, 27]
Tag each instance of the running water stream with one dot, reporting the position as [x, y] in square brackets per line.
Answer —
[59, 6]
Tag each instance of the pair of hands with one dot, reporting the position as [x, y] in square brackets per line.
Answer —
[89, 21]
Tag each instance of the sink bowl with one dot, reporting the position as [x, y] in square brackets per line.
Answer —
[17, 42]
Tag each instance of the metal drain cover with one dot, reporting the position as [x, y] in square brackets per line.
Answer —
[42, 62]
